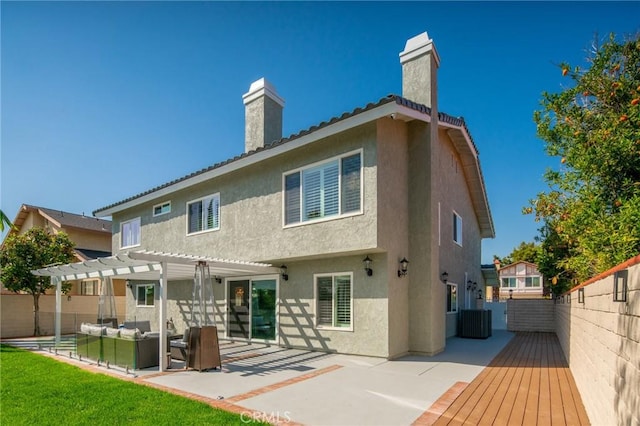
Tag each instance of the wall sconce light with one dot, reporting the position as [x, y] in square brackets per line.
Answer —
[445, 277]
[581, 295]
[367, 265]
[218, 279]
[510, 293]
[471, 285]
[403, 267]
[129, 285]
[69, 298]
[479, 293]
[283, 272]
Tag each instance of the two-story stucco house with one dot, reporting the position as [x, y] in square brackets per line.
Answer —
[342, 206]
[520, 280]
[91, 236]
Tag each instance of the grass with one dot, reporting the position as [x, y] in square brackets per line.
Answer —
[37, 390]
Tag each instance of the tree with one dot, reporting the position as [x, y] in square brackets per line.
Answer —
[23, 253]
[4, 221]
[527, 252]
[591, 212]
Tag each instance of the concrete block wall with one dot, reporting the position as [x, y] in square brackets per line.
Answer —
[531, 315]
[601, 341]
[16, 313]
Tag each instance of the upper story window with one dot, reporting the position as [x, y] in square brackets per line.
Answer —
[130, 233]
[162, 208]
[203, 214]
[457, 228]
[326, 190]
[509, 282]
[532, 282]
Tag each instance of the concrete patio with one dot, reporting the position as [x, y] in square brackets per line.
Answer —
[315, 388]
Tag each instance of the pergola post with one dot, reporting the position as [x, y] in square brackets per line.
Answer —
[58, 319]
[162, 352]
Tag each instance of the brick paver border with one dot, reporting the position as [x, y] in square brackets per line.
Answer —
[434, 412]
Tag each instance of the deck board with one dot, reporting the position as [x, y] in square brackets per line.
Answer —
[528, 383]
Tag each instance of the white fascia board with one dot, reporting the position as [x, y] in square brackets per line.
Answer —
[390, 109]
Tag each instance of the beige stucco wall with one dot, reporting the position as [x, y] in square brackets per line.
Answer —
[251, 223]
[601, 341]
[89, 239]
[16, 313]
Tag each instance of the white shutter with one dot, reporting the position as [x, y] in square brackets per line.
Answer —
[324, 310]
[330, 189]
[312, 193]
[292, 198]
[343, 301]
[351, 184]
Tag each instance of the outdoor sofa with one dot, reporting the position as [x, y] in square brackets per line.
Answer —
[134, 345]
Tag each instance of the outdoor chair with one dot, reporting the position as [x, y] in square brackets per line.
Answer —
[179, 346]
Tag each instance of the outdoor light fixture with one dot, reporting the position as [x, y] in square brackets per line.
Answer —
[129, 285]
[510, 293]
[479, 293]
[581, 295]
[283, 272]
[69, 298]
[445, 277]
[403, 267]
[367, 265]
[218, 279]
[471, 285]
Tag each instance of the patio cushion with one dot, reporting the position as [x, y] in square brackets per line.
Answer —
[130, 334]
[96, 330]
[112, 332]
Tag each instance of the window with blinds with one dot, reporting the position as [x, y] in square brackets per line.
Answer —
[334, 300]
[203, 214]
[452, 298]
[330, 189]
[130, 233]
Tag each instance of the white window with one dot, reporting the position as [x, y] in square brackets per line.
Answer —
[203, 214]
[145, 294]
[457, 229]
[334, 301]
[509, 282]
[452, 298]
[162, 208]
[329, 189]
[532, 282]
[130, 233]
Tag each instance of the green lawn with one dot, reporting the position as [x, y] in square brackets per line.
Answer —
[37, 390]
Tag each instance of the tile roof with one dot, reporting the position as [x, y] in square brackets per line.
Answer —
[399, 100]
[66, 219]
[92, 254]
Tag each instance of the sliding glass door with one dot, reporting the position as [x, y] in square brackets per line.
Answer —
[252, 308]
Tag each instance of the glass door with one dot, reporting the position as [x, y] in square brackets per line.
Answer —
[252, 309]
[238, 304]
[263, 309]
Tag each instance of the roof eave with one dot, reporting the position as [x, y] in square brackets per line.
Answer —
[389, 109]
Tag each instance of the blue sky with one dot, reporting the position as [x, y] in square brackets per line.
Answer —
[101, 101]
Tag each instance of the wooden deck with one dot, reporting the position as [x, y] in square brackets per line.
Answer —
[528, 383]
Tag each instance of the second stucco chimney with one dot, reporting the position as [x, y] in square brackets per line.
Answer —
[263, 115]
[420, 62]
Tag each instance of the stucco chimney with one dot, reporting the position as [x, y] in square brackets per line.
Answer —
[420, 62]
[263, 115]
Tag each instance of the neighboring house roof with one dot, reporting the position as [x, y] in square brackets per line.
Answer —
[517, 263]
[63, 219]
[392, 105]
[88, 254]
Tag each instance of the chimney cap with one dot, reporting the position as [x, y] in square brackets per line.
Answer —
[418, 46]
[259, 88]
